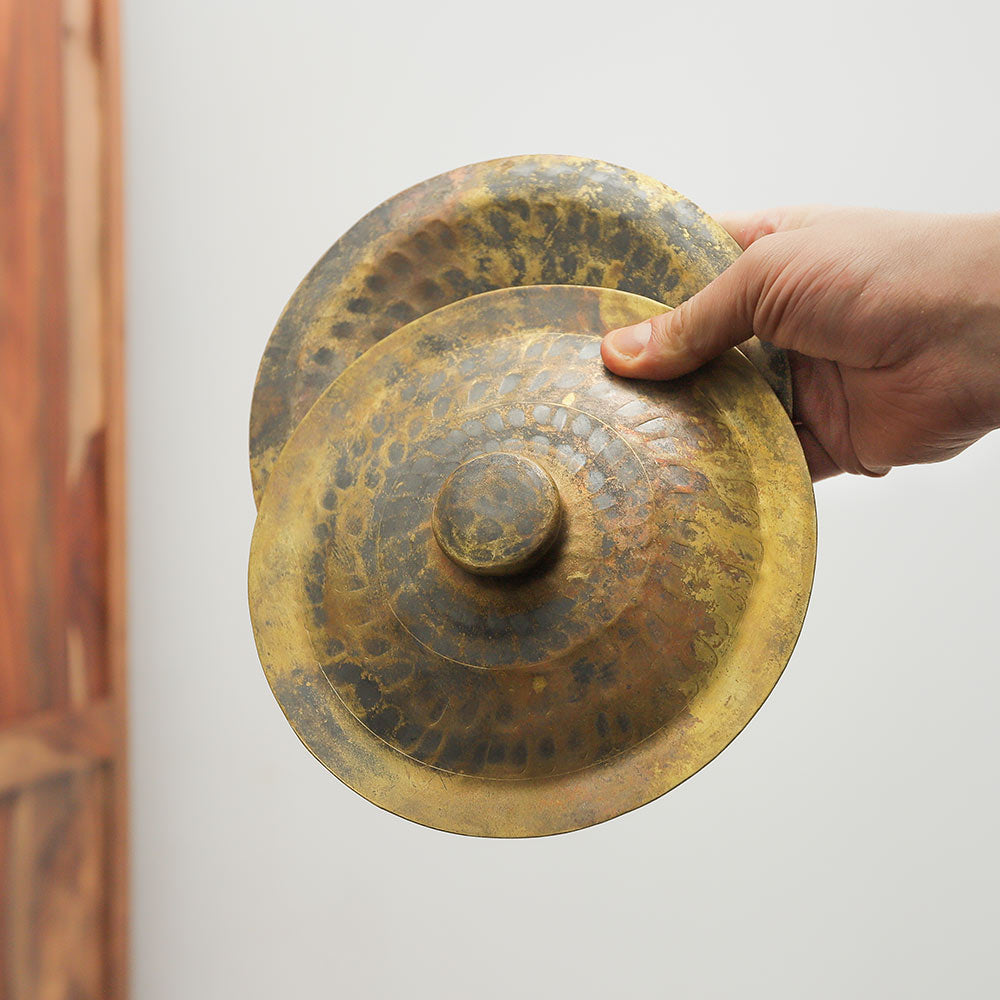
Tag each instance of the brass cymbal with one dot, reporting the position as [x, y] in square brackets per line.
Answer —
[499, 591]
[523, 220]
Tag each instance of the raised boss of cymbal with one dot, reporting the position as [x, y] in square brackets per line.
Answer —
[498, 590]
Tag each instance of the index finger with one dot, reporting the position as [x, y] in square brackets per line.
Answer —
[748, 227]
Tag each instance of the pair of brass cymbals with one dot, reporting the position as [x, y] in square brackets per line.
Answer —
[496, 589]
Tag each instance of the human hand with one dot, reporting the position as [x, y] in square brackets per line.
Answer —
[891, 320]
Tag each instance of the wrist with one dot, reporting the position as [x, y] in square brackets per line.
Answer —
[991, 313]
[978, 311]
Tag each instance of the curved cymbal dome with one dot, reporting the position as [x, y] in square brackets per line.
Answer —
[500, 591]
[524, 220]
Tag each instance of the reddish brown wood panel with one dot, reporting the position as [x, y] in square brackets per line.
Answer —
[51, 744]
[55, 898]
[63, 816]
[33, 362]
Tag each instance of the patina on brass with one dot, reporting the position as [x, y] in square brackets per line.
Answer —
[523, 220]
[497, 514]
[655, 622]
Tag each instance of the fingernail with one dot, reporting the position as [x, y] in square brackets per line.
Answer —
[631, 341]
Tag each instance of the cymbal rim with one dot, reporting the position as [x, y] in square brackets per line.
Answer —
[472, 805]
[522, 220]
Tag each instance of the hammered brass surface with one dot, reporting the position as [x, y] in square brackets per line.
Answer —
[632, 654]
[497, 514]
[524, 220]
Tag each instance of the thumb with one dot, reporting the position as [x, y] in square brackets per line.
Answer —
[674, 343]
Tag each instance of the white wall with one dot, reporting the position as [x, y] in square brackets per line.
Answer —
[846, 844]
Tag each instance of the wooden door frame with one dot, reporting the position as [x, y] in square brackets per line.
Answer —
[60, 101]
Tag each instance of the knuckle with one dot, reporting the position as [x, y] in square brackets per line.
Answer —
[770, 251]
[679, 335]
[767, 224]
[771, 284]
[663, 327]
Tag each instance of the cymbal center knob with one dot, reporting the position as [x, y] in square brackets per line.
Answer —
[497, 514]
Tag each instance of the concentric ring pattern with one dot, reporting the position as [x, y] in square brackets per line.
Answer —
[578, 689]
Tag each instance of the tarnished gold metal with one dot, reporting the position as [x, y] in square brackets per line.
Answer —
[653, 625]
[524, 220]
[497, 514]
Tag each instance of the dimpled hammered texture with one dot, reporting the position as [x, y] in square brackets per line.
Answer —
[524, 220]
[498, 513]
[642, 641]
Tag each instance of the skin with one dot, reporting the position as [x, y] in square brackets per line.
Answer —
[892, 321]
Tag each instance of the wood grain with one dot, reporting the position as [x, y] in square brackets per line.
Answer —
[51, 744]
[63, 789]
[54, 907]
[95, 449]
[33, 363]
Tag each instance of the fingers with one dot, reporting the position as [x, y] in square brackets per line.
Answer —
[674, 343]
[821, 466]
[747, 227]
[720, 316]
[823, 419]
